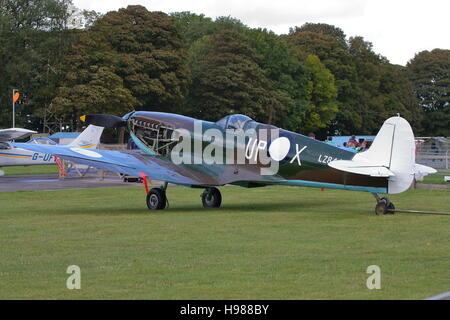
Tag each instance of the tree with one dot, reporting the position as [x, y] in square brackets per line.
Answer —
[151, 56]
[322, 28]
[367, 92]
[129, 59]
[284, 72]
[226, 78]
[398, 92]
[33, 42]
[335, 57]
[194, 26]
[430, 73]
[321, 106]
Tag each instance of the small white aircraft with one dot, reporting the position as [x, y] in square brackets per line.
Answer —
[11, 156]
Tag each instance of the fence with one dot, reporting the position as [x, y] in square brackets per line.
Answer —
[434, 152]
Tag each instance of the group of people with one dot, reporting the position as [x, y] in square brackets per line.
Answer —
[352, 144]
[359, 145]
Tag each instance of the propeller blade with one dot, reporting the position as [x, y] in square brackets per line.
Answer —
[104, 120]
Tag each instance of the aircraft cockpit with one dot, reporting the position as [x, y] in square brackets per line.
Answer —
[42, 140]
[235, 122]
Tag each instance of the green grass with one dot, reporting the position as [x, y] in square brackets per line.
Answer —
[37, 169]
[437, 178]
[264, 243]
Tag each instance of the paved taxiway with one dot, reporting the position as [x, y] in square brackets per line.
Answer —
[51, 182]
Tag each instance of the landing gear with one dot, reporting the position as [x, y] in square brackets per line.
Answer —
[211, 198]
[156, 199]
[384, 206]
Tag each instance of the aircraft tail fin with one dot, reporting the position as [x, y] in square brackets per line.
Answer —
[89, 138]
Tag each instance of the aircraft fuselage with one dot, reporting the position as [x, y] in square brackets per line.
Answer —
[298, 160]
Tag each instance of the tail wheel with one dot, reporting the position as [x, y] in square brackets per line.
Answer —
[156, 199]
[390, 208]
[384, 206]
[211, 198]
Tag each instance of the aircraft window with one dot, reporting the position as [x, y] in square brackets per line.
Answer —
[4, 146]
[42, 140]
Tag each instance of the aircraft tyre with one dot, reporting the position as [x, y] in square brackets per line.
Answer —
[211, 198]
[384, 206]
[156, 199]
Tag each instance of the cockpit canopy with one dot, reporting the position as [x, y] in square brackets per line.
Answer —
[42, 140]
[234, 122]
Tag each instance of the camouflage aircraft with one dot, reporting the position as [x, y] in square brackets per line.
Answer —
[239, 151]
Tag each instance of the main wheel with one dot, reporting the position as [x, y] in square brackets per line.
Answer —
[211, 198]
[156, 199]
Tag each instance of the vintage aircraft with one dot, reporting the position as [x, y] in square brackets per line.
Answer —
[16, 156]
[240, 151]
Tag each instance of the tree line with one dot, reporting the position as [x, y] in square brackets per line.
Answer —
[313, 79]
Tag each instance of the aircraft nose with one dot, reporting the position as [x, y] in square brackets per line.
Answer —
[147, 120]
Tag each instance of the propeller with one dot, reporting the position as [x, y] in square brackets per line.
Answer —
[104, 120]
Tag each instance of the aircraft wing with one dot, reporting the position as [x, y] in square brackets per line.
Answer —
[131, 163]
[14, 134]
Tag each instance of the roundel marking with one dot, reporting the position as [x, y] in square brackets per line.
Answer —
[85, 152]
[279, 148]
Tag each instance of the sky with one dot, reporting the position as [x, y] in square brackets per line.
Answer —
[398, 29]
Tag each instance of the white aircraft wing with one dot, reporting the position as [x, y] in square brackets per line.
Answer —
[14, 134]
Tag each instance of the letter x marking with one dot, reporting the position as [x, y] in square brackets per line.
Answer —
[297, 155]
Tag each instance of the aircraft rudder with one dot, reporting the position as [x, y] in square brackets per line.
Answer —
[89, 138]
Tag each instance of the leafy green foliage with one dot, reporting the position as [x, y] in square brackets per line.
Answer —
[313, 79]
[321, 94]
[129, 59]
[33, 42]
[369, 89]
[430, 73]
[227, 78]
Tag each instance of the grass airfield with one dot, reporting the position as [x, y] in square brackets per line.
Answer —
[264, 243]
